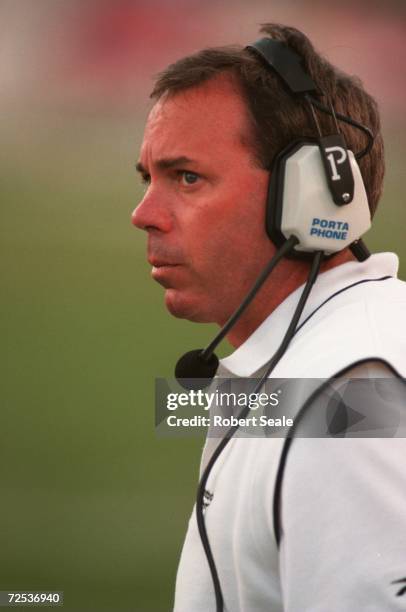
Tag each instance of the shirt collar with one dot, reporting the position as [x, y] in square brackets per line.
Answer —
[265, 340]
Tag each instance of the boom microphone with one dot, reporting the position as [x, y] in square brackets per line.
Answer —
[200, 364]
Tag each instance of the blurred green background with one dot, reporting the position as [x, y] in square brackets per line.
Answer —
[93, 503]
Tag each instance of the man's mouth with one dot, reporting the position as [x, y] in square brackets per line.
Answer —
[162, 272]
[162, 264]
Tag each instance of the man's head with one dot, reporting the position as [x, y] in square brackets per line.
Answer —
[229, 116]
[204, 205]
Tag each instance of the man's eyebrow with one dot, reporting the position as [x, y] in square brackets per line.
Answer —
[165, 163]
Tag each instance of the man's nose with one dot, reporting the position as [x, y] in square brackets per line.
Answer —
[151, 213]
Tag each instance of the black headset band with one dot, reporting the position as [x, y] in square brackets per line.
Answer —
[286, 63]
[277, 56]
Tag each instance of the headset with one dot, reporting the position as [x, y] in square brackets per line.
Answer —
[316, 201]
[316, 191]
[316, 207]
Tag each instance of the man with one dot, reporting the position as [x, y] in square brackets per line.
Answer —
[337, 539]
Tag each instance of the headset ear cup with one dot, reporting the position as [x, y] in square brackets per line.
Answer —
[274, 205]
[300, 203]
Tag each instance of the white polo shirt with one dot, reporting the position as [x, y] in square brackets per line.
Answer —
[343, 501]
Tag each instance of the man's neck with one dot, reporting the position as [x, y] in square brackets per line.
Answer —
[283, 281]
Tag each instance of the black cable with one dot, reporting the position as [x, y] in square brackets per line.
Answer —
[313, 115]
[272, 363]
[333, 114]
[284, 250]
[350, 121]
[314, 270]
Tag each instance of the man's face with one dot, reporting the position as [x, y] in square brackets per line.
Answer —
[204, 205]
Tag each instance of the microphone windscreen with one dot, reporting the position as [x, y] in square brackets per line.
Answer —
[194, 372]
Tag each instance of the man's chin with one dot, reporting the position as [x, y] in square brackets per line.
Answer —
[182, 307]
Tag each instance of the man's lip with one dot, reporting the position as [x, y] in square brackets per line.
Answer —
[162, 264]
[159, 263]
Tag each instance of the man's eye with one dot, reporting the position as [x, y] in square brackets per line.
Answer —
[188, 178]
[146, 179]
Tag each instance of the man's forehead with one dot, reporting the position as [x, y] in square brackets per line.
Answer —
[214, 109]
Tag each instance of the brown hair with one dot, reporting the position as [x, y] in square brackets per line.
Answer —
[278, 118]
